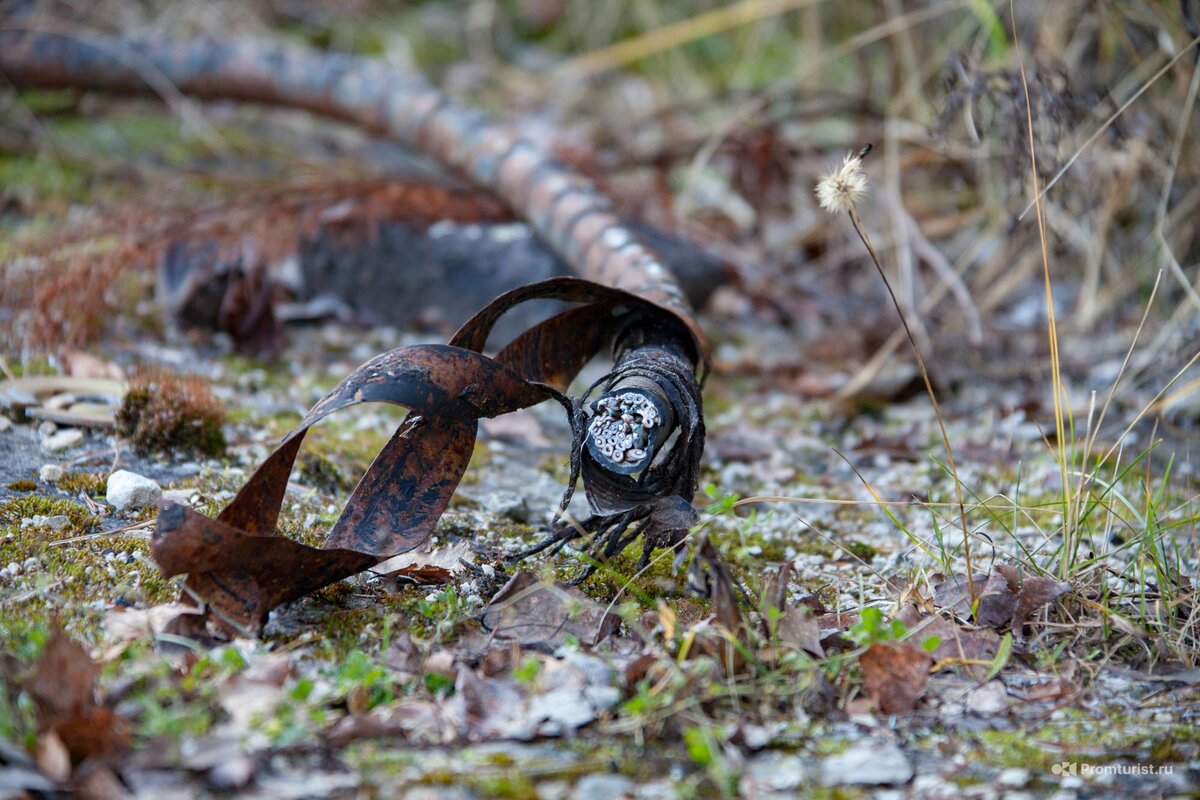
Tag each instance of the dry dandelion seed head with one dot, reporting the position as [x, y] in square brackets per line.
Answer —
[842, 187]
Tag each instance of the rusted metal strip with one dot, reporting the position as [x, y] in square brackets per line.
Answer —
[237, 563]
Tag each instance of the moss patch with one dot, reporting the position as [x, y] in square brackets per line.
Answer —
[170, 412]
[92, 484]
[75, 580]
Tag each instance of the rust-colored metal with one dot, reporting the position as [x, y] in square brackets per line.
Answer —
[241, 568]
[237, 564]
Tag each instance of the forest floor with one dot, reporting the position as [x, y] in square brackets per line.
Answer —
[826, 631]
[296, 713]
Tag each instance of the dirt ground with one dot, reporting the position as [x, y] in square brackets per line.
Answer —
[875, 602]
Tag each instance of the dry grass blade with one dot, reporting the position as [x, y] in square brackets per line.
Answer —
[680, 33]
[1036, 202]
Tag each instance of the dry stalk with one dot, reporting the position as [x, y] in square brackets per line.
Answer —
[839, 191]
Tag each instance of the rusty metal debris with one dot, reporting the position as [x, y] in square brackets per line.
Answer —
[237, 564]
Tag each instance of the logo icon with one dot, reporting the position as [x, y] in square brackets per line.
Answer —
[1065, 768]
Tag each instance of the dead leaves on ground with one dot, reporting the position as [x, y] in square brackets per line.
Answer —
[544, 661]
[894, 675]
[79, 738]
[1006, 597]
[545, 616]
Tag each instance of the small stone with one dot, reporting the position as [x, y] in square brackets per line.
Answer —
[127, 490]
[51, 473]
[56, 522]
[181, 496]
[46, 428]
[601, 786]
[63, 440]
[773, 771]
[5, 424]
[1013, 777]
[867, 764]
[233, 773]
[30, 563]
[13, 568]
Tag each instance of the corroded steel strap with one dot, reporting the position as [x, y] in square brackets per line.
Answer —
[564, 208]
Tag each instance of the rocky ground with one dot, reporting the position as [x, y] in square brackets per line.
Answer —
[819, 635]
[377, 687]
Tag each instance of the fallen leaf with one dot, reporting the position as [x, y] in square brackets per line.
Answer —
[1036, 593]
[63, 689]
[953, 593]
[64, 678]
[427, 566]
[122, 625]
[895, 675]
[419, 721]
[402, 655]
[997, 600]
[795, 626]
[534, 613]
[440, 662]
[972, 648]
[1004, 597]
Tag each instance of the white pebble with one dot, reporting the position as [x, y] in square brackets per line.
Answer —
[63, 440]
[127, 490]
[181, 496]
[51, 473]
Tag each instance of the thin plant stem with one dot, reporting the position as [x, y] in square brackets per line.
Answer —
[1070, 531]
[937, 409]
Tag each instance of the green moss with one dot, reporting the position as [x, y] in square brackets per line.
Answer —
[859, 549]
[44, 178]
[335, 594]
[620, 575]
[320, 471]
[512, 786]
[163, 411]
[70, 580]
[345, 623]
[23, 485]
[92, 484]
[13, 511]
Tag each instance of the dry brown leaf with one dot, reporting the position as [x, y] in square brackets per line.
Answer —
[1036, 593]
[427, 565]
[63, 689]
[402, 655]
[539, 614]
[122, 625]
[957, 644]
[895, 675]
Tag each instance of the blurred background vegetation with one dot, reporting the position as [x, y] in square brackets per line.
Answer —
[714, 119]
